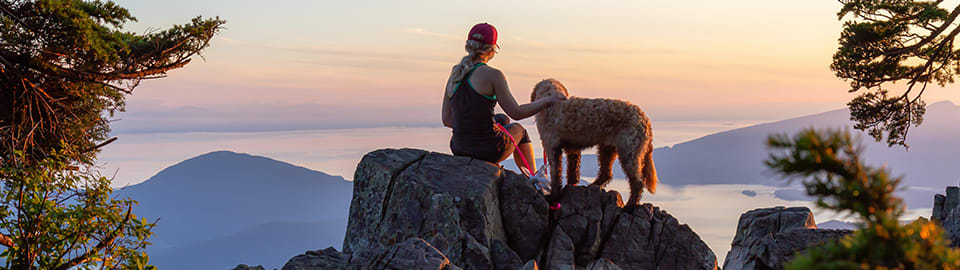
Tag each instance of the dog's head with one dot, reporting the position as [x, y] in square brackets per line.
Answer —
[548, 87]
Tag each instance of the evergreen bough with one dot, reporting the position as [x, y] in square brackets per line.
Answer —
[829, 162]
[66, 66]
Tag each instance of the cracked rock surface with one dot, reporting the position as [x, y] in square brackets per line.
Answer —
[768, 237]
[413, 209]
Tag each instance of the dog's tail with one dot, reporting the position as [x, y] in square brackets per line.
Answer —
[649, 170]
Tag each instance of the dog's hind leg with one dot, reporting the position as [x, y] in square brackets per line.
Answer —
[605, 156]
[649, 170]
[573, 166]
[630, 161]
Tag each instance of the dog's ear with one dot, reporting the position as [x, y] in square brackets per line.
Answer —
[560, 88]
[536, 88]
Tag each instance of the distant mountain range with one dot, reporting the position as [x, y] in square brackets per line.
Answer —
[735, 156]
[221, 209]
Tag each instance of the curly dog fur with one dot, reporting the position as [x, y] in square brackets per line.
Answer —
[616, 127]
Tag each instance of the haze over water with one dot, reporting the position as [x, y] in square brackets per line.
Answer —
[135, 157]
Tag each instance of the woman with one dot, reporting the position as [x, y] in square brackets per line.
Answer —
[472, 91]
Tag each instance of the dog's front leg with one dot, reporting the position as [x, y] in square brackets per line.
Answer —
[553, 155]
[573, 166]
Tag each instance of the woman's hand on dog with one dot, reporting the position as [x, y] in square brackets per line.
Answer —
[554, 99]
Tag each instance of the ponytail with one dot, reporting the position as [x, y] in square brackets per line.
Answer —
[474, 51]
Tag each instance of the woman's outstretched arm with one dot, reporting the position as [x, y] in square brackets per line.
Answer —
[509, 103]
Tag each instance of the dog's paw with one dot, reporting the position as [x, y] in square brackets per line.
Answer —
[553, 198]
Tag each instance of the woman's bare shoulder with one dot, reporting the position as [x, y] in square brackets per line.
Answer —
[489, 72]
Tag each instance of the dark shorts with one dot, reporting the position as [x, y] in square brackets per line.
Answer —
[488, 147]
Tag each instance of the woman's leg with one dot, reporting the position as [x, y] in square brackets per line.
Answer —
[526, 148]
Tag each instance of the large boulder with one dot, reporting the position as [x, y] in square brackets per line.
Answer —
[413, 209]
[373, 183]
[650, 238]
[769, 237]
[403, 194]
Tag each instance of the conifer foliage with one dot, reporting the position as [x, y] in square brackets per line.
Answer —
[830, 164]
[66, 67]
[887, 41]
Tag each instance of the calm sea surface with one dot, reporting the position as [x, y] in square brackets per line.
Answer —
[136, 157]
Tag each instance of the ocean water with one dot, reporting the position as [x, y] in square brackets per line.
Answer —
[136, 157]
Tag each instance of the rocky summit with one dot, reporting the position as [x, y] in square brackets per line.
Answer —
[769, 237]
[946, 210]
[413, 209]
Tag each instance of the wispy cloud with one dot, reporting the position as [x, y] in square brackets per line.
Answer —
[540, 45]
[424, 32]
[307, 50]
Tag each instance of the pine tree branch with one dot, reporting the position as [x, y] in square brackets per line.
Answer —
[933, 35]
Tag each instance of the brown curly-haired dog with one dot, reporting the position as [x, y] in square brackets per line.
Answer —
[614, 126]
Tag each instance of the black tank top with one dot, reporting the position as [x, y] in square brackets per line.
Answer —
[473, 131]
[472, 112]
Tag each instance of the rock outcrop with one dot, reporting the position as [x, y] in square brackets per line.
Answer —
[945, 211]
[769, 237]
[943, 205]
[414, 209]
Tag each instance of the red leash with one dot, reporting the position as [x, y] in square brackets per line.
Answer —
[517, 148]
[554, 206]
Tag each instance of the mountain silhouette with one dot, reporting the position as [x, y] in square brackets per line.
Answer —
[213, 200]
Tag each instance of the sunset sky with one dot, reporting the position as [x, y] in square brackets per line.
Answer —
[382, 63]
[320, 83]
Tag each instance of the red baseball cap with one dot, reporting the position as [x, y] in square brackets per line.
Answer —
[483, 33]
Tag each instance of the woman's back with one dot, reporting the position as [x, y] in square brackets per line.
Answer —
[472, 111]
